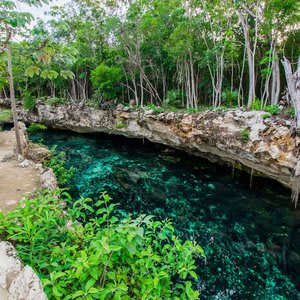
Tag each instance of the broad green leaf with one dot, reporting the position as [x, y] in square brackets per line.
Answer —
[66, 74]
[89, 284]
[32, 70]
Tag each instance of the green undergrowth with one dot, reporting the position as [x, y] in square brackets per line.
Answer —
[83, 251]
[57, 162]
[34, 127]
[5, 115]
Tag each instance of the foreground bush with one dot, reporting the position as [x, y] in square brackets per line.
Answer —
[100, 256]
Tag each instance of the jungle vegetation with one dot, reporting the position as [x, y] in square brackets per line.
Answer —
[165, 53]
[104, 257]
[172, 53]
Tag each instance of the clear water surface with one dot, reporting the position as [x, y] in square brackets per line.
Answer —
[251, 236]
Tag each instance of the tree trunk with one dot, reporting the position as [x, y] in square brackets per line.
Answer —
[275, 82]
[293, 82]
[73, 90]
[12, 99]
[141, 91]
[250, 55]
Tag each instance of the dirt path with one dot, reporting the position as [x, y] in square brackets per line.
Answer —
[15, 181]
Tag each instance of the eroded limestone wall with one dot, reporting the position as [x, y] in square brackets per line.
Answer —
[238, 137]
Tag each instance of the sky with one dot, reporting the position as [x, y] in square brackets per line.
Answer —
[38, 12]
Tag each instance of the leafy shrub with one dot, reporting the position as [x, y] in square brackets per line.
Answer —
[5, 115]
[156, 109]
[230, 97]
[29, 102]
[174, 98]
[120, 124]
[192, 110]
[266, 116]
[273, 109]
[57, 162]
[245, 134]
[100, 257]
[292, 112]
[256, 104]
[56, 101]
[33, 127]
[106, 81]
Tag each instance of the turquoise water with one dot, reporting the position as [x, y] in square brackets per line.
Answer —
[251, 236]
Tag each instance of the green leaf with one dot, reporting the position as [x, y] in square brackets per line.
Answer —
[50, 74]
[56, 292]
[31, 71]
[114, 248]
[89, 284]
[93, 290]
[77, 294]
[193, 274]
[66, 74]
[131, 247]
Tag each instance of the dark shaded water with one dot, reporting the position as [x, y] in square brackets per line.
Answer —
[251, 236]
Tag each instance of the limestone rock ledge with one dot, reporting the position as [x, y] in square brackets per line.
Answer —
[241, 138]
[16, 281]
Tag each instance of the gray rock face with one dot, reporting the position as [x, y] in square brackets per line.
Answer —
[16, 282]
[238, 137]
[49, 180]
[26, 286]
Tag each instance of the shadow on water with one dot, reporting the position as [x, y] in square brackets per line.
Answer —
[251, 236]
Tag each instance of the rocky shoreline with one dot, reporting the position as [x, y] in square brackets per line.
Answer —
[244, 139]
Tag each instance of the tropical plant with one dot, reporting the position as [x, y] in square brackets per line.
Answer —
[106, 80]
[57, 162]
[11, 22]
[273, 109]
[83, 251]
[34, 127]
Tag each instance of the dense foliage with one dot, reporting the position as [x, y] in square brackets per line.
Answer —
[57, 162]
[175, 53]
[86, 252]
[5, 115]
[34, 127]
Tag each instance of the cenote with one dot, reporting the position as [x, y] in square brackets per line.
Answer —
[251, 236]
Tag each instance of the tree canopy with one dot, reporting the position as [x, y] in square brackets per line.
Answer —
[197, 53]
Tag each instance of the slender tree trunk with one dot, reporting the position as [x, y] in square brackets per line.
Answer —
[293, 82]
[266, 93]
[73, 90]
[4, 93]
[241, 103]
[12, 98]
[250, 56]
[275, 81]
[164, 83]
[141, 90]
